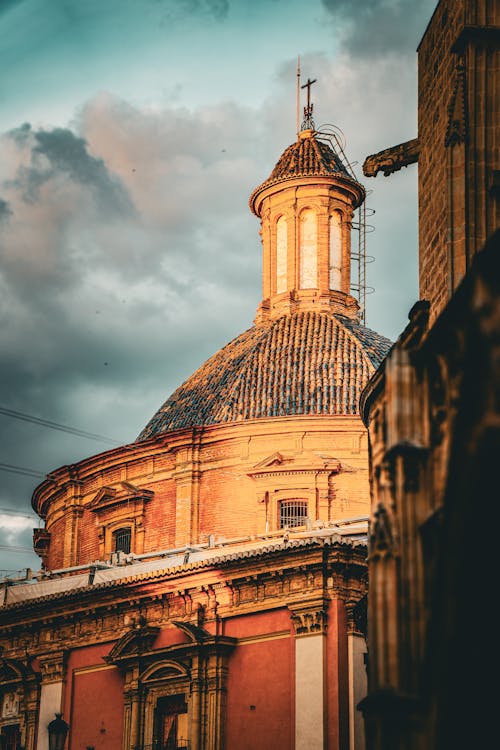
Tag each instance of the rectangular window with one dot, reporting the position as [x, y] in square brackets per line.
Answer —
[171, 723]
[292, 513]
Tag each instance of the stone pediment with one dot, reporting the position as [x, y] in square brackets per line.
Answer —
[275, 459]
[330, 463]
[140, 638]
[278, 464]
[134, 643]
[195, 633]
[115, 495]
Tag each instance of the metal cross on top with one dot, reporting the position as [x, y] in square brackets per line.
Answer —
[308, 87]
[308, 109]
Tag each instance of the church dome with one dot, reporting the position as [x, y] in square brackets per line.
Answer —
[306, 363]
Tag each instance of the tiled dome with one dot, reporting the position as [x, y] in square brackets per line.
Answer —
[304, 363]
[307, 157]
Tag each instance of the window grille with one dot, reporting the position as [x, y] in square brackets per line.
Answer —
[121, 540]
[292, 513]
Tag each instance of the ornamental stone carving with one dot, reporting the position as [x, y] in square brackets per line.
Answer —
[52, 667]
[310, 621]
[381, 531]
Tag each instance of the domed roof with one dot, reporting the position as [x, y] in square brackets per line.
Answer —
[300, 364]
[307, 157]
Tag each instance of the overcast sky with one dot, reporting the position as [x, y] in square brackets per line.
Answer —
[131, 135]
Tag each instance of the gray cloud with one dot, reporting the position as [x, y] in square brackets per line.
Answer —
[21, 134]
[5, 210]
[60, 152]
[372, 28]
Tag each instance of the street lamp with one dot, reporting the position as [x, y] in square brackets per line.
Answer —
[58, 729]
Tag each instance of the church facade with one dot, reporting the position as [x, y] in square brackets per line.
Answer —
[203, 586]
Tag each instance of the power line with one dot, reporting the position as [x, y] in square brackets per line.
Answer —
[12, 548]
[55, 425]
[13, 512]
[21, 470]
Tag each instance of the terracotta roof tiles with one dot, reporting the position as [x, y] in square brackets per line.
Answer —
[307, 156]
[301, 364]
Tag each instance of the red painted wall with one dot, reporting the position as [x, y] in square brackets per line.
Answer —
[93, 701]
[273, 621]
[261, 675]
[169, 637]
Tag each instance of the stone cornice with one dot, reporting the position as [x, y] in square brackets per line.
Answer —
[340, 180]
[337, 571]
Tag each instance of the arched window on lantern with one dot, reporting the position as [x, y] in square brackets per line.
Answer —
[281, 254]
[335, 254]
[308, 249]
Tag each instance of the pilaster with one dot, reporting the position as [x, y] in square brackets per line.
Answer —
[73, 514]
[52, 668]
[311, 710]
[187, 480]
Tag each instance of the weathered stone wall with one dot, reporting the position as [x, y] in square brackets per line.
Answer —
[432, 411]
[459, 162]
[436, 72]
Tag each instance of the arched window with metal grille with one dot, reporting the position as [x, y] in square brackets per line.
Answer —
[121, 540]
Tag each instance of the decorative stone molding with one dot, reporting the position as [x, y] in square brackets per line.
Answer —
[310, 620]
[52, 667]
[382, 537]
[412, 460]
[137, 641]
[19, 695]
[457, 129]
[124, 492]
[41, 543]
[196, 669]
[120, 505]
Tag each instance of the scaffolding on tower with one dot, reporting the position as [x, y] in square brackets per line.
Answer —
[334, 137]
